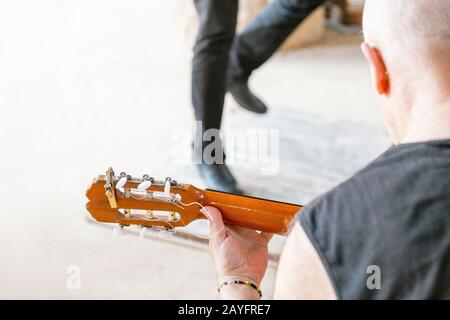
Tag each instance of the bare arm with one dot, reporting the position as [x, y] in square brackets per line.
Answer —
[301, 274]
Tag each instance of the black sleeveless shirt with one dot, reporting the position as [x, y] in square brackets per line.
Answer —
[385, 232]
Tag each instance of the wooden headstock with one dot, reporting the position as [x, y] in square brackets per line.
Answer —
[167, 205]
[163, 204]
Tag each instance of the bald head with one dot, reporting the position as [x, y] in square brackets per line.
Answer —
[408, 49]
[409, 31]
[409, 21]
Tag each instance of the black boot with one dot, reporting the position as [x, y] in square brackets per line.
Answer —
[244, 97]
[218, 177]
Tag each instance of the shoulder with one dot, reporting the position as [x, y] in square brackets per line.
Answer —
[301, 274]
[397, 178]
[376, 218]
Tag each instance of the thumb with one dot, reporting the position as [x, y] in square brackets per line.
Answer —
[217, 232]
[215, 219]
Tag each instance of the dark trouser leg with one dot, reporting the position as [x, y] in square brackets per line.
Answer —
[209, 74]
[257, 43]
[211, 56]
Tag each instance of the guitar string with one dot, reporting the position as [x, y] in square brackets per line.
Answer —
[205, 213]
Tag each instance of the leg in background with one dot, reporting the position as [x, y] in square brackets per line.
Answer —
[258, 42]
[209, 73]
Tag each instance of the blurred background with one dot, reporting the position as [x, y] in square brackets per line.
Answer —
[85, 85]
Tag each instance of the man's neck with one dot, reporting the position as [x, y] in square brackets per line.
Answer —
[428, 123]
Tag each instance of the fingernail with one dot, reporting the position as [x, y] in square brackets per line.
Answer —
[207, 214]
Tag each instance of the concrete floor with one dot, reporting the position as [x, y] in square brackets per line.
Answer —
[89, 84]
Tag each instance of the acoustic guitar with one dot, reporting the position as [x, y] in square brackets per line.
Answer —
[167, 205]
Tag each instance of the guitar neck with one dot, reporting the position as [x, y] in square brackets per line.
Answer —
[253, 213]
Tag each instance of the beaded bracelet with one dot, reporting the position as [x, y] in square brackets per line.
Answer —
[243, 282]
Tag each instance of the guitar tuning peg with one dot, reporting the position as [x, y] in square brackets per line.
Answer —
[177, 198]
[164, 234]
[118, 231]
[167, 185]
[122, 180]
[149, 214]
[172, 182]
[172, 216]
[146, 182]
[142, 233]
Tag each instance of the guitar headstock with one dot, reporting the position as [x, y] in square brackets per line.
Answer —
[162, 204]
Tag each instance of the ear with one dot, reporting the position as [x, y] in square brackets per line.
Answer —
[378, 68]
